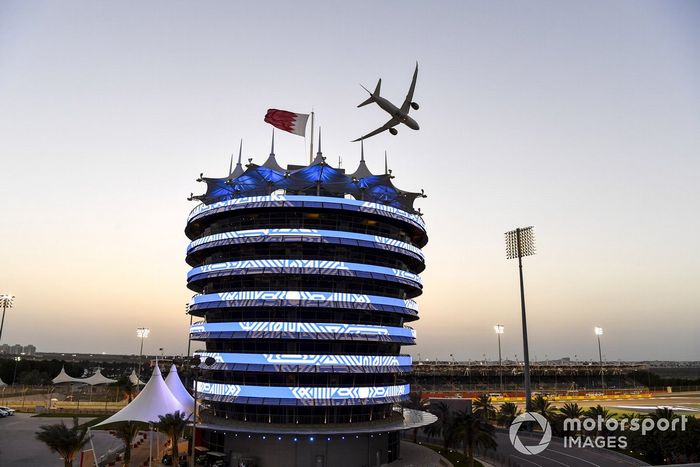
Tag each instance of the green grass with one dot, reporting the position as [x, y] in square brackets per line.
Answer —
[456, 457]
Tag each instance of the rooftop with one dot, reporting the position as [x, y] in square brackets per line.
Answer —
[318, 178]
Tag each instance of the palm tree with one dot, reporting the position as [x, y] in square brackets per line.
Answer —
[126, 432]
[475, 433]
[172, 424]
[444, 425]
[599, 412]
[572, 410]
[483, 407]
[416, 402]
[67, 442]
[543, 407]
[129, 391]
[507, 413]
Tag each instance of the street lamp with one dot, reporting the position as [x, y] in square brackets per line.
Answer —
[599, 332]
[189, 334]
[521, 242]
[141, 333]
[6, 301]
[196, 368]
[14, 375]
[499, 328]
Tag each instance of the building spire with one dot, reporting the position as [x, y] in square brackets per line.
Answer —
[362, 150]
[272, 149]
[386, 164]
[234, 172]
[319, 153]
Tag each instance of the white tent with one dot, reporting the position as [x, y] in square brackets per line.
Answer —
[2, 383]
[98, 378]
[154, 399]
[64, 378]
[134, 379]
[178, 389]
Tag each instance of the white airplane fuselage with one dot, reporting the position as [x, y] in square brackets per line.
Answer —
[394, 111]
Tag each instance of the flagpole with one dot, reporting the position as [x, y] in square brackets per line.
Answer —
[311, 150]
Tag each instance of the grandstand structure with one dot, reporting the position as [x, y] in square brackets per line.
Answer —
[551, 376]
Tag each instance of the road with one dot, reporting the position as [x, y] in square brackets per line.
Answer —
[556, 455]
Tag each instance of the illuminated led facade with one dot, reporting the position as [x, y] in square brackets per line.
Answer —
[305, 281]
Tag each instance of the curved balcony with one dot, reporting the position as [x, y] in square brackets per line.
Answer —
[282, 201]
[306, 267]
[291, 330]
[316, 396]
[288, 363]
[293, 298]
[305, 235]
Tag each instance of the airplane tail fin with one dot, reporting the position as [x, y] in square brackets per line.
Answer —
[371, 97]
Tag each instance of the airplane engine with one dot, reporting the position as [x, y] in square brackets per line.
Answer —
[393, 131]
[415, 106]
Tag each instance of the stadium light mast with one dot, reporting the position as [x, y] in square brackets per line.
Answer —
[519, 243]
[599, 332]
[499, 328]
[6, 300]
[141, 333]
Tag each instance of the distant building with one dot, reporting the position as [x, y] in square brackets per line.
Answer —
[29, 350]
[4, 349]
[16, 349]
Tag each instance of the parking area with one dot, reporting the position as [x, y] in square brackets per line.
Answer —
[18, 444]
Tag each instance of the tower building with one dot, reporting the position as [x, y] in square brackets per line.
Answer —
[305, 280]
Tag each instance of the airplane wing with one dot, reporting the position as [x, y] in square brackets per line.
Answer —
[390, 124]
[406, 107]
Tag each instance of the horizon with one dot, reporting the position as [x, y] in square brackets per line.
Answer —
[578, 119]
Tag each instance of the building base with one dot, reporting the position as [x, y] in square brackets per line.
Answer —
[257, 450]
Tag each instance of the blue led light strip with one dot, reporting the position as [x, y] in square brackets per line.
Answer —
[299, 266]
[310, 394]
[310, 360]
[298, 235]
[303, 298]
[278, 200]
[293, 330]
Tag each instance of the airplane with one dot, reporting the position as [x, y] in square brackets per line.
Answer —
[398, 115]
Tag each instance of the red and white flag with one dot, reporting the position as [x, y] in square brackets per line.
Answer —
[287, 121]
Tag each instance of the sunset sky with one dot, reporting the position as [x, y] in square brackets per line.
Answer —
[580, 118]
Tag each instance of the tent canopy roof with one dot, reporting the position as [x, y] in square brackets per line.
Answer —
[98, 378]
[63, 377]
[154, 399]
[178, 389]
[134, 379]
[318, 178]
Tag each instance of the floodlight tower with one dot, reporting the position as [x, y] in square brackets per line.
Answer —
[141, 333]
[6, 301]
[499, 328]
[599, 332]
[519, 243]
